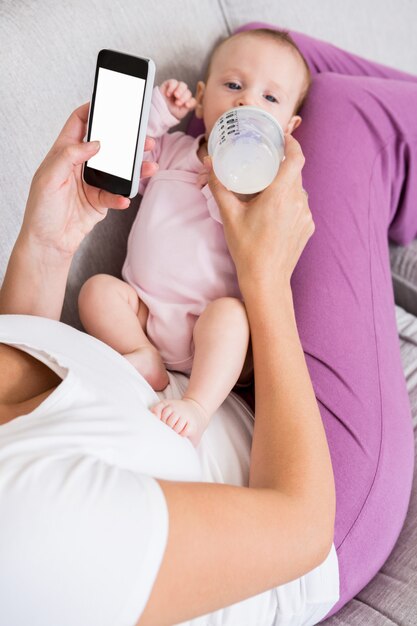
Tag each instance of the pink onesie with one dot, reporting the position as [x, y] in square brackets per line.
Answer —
[177, 257]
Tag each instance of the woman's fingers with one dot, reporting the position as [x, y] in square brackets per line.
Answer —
[67, 155]
[75, 128]
[59, 163]
[148, 169]
[226, 200]
[289, 172]
[294, 157]
[102, 200]
[112, 201]
[149, 143]
[69, 150]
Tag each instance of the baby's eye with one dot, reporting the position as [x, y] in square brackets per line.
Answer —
[273, 98]
[233, 85]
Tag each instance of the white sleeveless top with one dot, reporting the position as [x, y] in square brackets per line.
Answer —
[83, 522]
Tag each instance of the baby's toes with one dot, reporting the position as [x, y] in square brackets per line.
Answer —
[166, 413]
[159, 408]
[172, 419]
[180, 425]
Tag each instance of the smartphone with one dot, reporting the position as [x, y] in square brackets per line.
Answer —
[118, 118]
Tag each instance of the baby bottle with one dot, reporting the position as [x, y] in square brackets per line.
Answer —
[246, 145]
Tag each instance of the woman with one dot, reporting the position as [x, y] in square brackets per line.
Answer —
[359, 137]
[213, 528]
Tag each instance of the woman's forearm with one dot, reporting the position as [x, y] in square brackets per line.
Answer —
[35, 281]
[289, 449]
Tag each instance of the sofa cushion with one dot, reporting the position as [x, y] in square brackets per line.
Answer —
[390, 597]
[404, 275]
[48, 56]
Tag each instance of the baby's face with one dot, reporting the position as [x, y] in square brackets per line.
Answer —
[252, 71]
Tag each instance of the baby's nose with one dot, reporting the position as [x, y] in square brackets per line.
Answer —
[245, 99]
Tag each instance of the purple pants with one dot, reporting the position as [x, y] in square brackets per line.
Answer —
[359, 138]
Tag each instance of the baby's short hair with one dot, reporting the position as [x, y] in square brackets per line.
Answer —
[280, 36]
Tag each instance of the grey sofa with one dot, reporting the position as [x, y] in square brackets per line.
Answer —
[47, 58]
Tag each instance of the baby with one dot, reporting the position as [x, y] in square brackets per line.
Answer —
[179, 306]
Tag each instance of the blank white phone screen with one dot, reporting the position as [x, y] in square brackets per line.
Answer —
[117, 111]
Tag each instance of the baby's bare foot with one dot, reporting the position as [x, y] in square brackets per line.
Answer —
[148, 362]
[187, 417]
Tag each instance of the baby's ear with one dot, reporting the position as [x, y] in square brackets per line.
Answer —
[199, 94]
[294, 123]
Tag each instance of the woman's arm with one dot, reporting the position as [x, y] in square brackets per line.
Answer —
[289, 449]
[35, 281]
[61, 210]
[227, 543]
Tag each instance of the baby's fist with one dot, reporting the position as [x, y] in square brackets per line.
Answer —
[178, 97]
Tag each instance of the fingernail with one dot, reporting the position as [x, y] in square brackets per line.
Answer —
[94, 144]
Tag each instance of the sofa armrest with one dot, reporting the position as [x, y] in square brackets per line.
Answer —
[404, 275]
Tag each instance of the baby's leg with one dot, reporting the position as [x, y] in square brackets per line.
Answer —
[221, 339]
[111, 310]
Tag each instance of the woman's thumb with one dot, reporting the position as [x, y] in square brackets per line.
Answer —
[70, 156]
[88, 148]
[79, 152]
[225, 199]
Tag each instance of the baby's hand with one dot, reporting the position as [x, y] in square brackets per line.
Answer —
[178, 97]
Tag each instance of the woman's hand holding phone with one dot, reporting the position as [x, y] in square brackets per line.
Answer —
[118, 118]
[61, 208]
